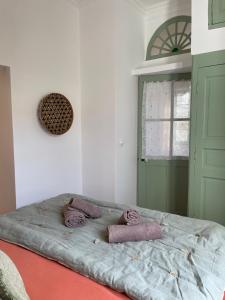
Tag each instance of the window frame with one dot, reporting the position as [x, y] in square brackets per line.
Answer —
[157, 78]
[173, 45]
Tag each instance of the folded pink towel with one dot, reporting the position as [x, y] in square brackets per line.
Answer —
[73, 217]
[140, 232]
[130, 217]
[90, 210]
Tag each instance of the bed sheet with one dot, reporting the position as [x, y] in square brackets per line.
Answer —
[47, 280]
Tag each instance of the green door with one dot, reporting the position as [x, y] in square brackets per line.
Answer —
[207, 166]
[162, 181]
[216, 13]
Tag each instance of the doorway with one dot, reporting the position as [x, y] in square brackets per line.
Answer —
[7, 178]
[163, 142]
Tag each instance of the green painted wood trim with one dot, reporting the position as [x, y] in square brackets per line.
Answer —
[196, 61]
[139, 137]
[164, 77]
[207, 59]
[166, 164]
[210, 17]
[163, 187]
[212, 24]
[199, 61]
[164, 26]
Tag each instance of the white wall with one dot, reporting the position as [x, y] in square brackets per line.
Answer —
[130, 53]
[98, 94]
[40, 44]
[112, 44]
[203, 39]
[159, 13]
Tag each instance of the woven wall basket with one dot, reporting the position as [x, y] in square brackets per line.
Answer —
[55, 113]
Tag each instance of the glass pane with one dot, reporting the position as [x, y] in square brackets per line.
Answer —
[180, 26]
[155, 51]
[172, 28]
[188, 29]
[158, 42]
[164, 35]
[181, 138]
[157, 96]
[182, 99]
[157, 139]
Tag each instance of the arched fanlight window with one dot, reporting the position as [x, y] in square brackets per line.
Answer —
[171, 38]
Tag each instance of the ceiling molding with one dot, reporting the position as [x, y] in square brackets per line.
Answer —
[175, 7]
[153, 10]
[138, 4]
[149, 11]
[82, 3]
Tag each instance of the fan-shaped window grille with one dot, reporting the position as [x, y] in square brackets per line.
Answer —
[171, 38]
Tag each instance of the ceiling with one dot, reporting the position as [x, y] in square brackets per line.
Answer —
[144, 5]
[148, 3]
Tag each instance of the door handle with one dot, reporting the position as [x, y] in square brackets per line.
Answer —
[141, 159]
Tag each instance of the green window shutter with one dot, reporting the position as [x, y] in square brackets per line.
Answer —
[216, 14]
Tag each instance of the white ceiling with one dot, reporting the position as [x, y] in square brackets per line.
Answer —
[148, 3]
[144, 5]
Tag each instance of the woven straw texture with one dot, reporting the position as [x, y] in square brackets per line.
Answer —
[55, 113]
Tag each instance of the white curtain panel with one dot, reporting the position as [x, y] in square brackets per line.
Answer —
[181, 128]
[157, 99]
[165, 119]
[182, 98]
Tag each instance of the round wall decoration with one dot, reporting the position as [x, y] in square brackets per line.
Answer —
[55, 113]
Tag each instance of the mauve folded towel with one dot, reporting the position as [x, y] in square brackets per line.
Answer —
[140, 232]
[130, 217]
[89, 209]
[73, 217]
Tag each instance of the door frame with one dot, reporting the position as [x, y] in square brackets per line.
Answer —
[141, 80]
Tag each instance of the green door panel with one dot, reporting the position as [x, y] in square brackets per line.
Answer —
[162, 184]
[213, 206]
[207, 163]
[156, 186]
[216, 13]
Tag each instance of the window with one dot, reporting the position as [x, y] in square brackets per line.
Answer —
[171, 38]
[166, 119]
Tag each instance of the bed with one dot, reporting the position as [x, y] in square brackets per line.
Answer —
[53, 281]
[46, 279]
[189, 262]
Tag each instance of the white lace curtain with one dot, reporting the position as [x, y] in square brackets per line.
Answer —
[165, 122]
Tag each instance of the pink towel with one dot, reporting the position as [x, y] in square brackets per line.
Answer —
[90, 210]
[73, 218]
[140, 232]
[130, 217]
